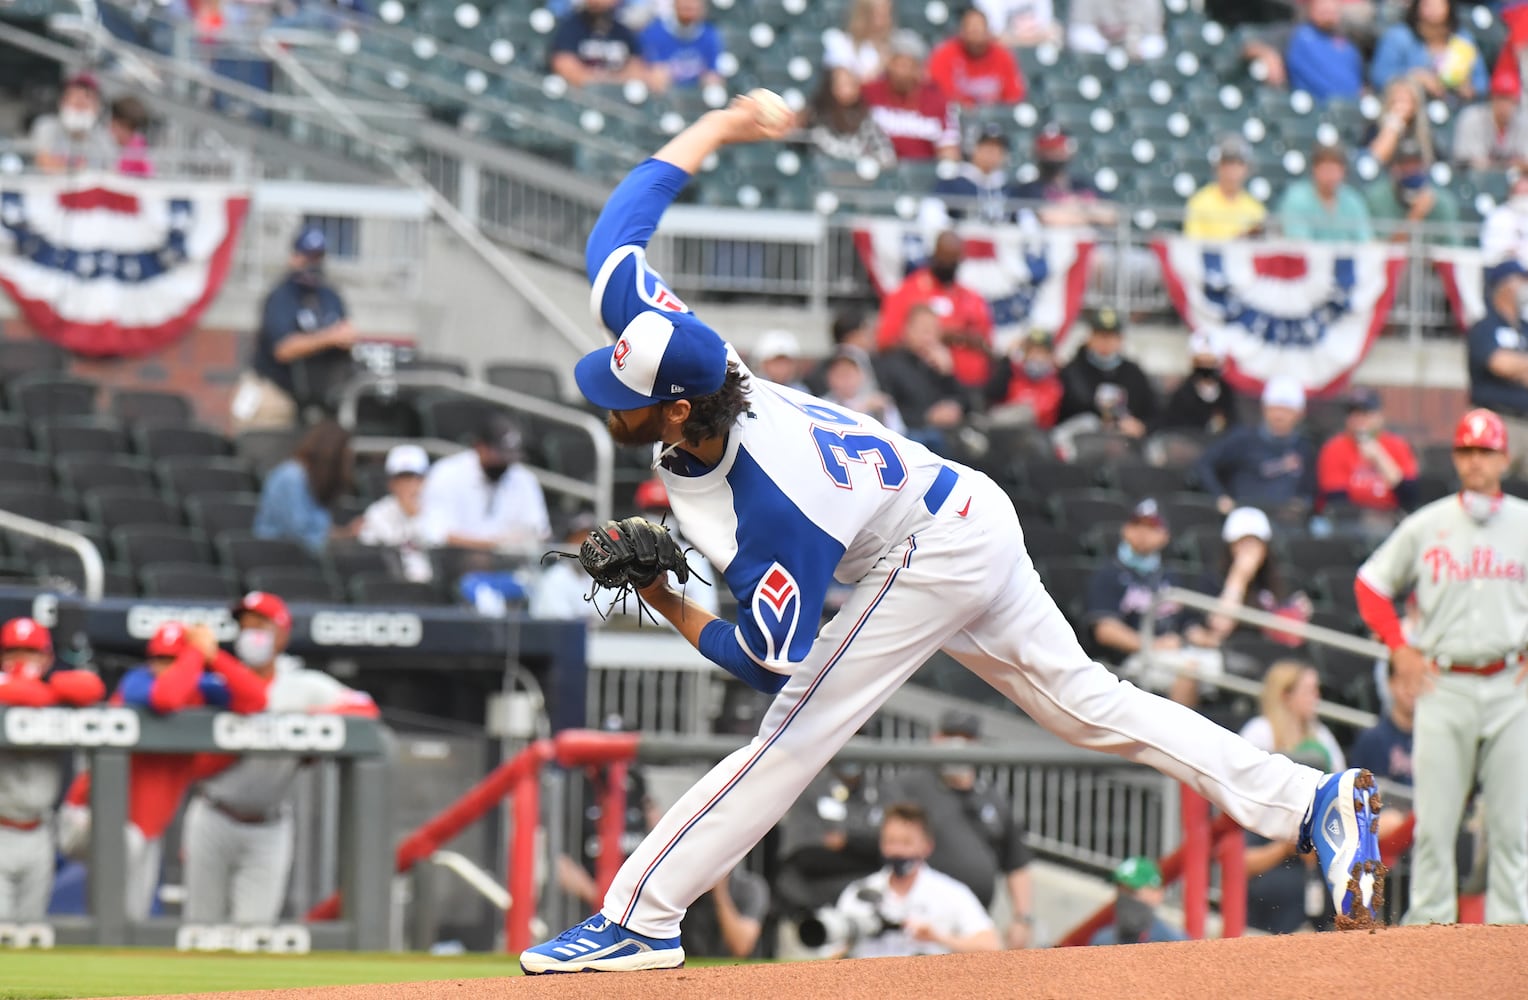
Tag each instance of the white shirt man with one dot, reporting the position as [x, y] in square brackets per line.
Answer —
[1504, 233]
[483, 498]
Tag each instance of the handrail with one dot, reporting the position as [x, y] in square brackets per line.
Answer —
[1240, 685]
[599, 493]
[90, 556]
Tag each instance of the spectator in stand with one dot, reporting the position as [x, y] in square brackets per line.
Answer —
[849, 384]
[919, 374]
[1253, 577]
[973, 68]
[863, 45]
[1029, 380]
[829, 838]
[778, 359]
[483, 498]
[1430, 48]
[1133, 25]
[1102, 382]
[1138, 897]
[682, 48]
[913, 111]
[965, 321]
[1023, 23]
[982, 189]
[1493, 135]
[1385, 747]
[1366, 474]
[30, 781]
[1407, 199]
[853, 332]
[1288, 722]
[397, 520]
[1321, 60]
[1118, 595]
[74, 137]
[1323, 208]
[1270, 466]
[1069, 200]
[129, 121]
[303, 317]
[1222, 209]
[1203, 401]
[1403, 123]
[1504, 233]
[1498, 354]
[591, 46]
[840, 125]
[298, 497]
[561, 590]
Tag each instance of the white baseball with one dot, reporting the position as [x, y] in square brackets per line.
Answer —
[770, 109]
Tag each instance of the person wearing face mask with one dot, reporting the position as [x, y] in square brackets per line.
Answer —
[976, 838]
[238, 833]
[1498, 353]
[1271, 466]
[1030, 380]
[965, 321]
[1139, 896]
[928, 912]
[75, 137]
[303, 319]
[1066, 199]
[483, 498]
[1408, 199]
[397, 520]
[1466, 559]
[1202, 401]
[983, 188]
[1131, 405]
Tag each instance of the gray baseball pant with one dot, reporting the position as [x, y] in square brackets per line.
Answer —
[235, 872]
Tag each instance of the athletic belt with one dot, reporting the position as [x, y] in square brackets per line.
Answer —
[939, 490]
[11, 824]
[1479, 669]
[247, 819]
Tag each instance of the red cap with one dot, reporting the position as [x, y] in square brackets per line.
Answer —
[652, 495]
[265, 605]
[1505, 85]
[25, 633]
[1481, 429]
[168, 640]
[1053, 140]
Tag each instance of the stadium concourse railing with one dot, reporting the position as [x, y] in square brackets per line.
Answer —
[92, 567]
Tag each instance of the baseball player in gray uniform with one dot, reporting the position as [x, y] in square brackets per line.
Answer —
[1466, 556]
[30, 781]
[238, 829]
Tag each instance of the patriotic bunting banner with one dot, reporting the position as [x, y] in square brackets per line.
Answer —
[1308, 310]
[1030, 280]
[107, 265]
[1462, 272]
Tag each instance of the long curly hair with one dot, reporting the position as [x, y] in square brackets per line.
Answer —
[713, 415]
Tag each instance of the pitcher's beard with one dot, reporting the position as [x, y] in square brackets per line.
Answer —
[648, 431]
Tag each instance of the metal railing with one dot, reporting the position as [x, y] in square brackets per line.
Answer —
[92, 568]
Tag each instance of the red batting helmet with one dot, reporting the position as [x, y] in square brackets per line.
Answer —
[652, 495]
[25, 633]
[1481, 429]
[266, 606]
[168, 640]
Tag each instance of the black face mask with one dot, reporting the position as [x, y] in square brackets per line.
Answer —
[1132, 919]
[944, 273]
[1205, 371]
[495, 472]
[902, 867]
[1051, 170]
[309, 277]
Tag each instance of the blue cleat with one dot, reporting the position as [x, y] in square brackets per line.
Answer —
[599, 944]
[1342, 828]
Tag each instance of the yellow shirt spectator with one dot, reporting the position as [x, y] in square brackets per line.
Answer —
[1211, 215]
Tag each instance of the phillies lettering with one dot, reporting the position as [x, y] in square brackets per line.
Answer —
[1483, 564]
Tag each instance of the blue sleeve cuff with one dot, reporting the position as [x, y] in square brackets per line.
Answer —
[136, 687]
[719, 644]
[631, 214]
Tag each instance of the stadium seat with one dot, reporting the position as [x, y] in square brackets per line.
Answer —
[351, 559]
[144, 544]
[13, 434]
[40, 396]
[37, 502]
[451, 417]
[189, 476]
[119, 507]
[537, 380]
[377, 588]
[263, 450]
[1046, 544]
[177, 441]
[1077, 510]
[1199, 544]
[1067, 581]
[24, 468]
[1136, 479]
[218, 513]
[1045, 476]
[563, 449]
[83, 473]
[1190, 510]
[80, 436]
[188, 580]
[140, 407]
[243, 553]
[294, 584]
[26, 357]
[1100, 447]
[65, 565]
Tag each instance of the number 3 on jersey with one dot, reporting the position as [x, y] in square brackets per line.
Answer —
[839, 448]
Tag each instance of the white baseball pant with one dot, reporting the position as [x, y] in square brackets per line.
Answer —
[143, 858]
[26, 873]
[235, 872]
[952, 586]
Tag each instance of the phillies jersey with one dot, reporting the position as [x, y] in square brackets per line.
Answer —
[1471, 579]
[918, 124]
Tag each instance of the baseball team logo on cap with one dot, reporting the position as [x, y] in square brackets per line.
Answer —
[1481, 428]
[660, 356]
[618, 356]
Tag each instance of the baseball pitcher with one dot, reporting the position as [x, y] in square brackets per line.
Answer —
[1466, 556]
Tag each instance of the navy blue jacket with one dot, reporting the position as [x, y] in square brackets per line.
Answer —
[1254, 469]
[1495, 332]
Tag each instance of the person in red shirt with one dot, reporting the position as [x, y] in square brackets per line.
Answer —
[914, 111]
[1365, 468]
[973, 69]
[964, 318]
[28, 677]
[1029, 378]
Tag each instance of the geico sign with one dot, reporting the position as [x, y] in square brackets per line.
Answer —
[80, 727]
[358, 628]
[144, 619]
[26, 936]
[298, 733]
[285, 939]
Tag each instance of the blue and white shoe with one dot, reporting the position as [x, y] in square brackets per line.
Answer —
[599, 944]
[1342, 828]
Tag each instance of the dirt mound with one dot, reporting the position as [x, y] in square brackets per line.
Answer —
[1396, 963]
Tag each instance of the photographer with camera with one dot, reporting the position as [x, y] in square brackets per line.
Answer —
[906, 908]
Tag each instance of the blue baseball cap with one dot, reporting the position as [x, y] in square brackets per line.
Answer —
[1509, 268]
[660, 356]
[310, 242]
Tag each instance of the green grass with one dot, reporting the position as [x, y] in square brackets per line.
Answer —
[66, 973]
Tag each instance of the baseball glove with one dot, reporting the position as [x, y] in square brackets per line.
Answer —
[631, 553]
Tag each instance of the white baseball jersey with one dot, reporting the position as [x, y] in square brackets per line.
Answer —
[1471, 579]
[934, 898]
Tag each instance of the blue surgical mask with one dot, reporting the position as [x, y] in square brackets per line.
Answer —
[1102, 363]
[1134, 560]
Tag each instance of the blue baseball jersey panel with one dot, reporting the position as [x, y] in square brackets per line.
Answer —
[615, 258]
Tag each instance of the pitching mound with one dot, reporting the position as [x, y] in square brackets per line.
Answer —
[1396, 963]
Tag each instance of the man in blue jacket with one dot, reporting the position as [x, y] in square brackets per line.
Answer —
[1498, 354]
[1271, 466]
[1320, 60]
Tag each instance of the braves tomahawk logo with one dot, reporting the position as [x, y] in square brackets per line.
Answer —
[777, 609]
[1482, 563]
[618, 356]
